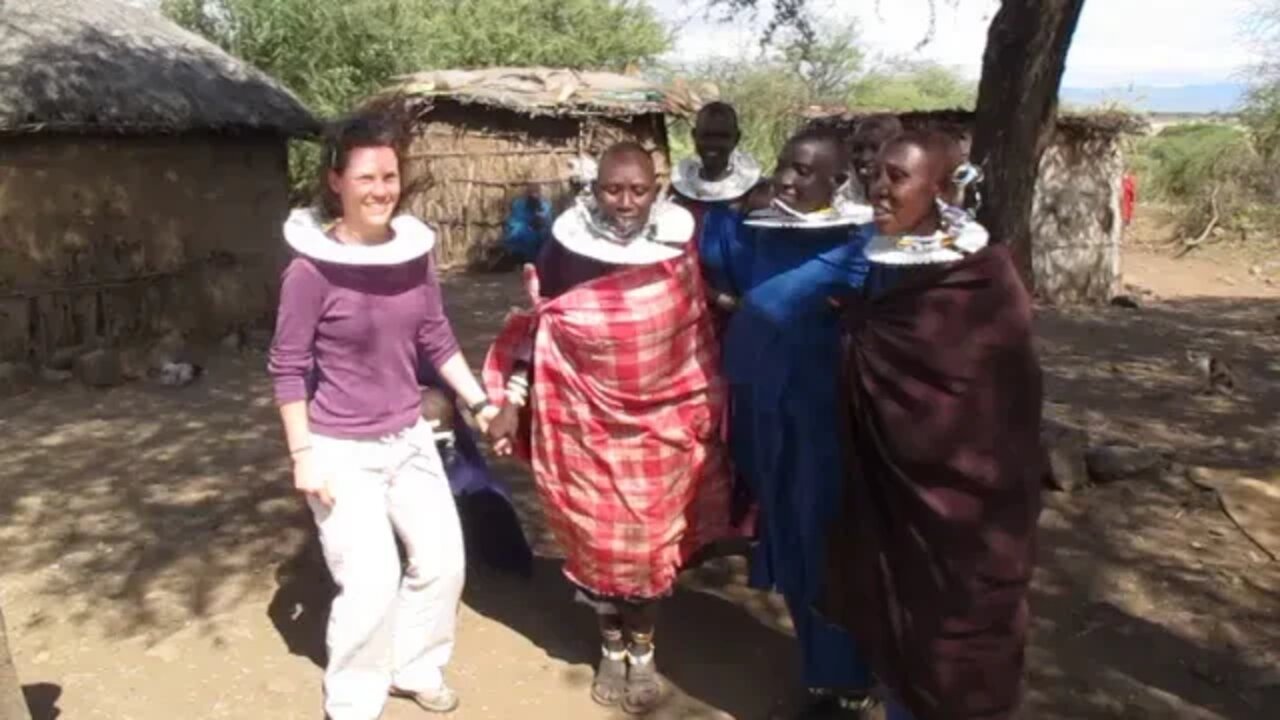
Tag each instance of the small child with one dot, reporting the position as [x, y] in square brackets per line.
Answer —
[438, 411]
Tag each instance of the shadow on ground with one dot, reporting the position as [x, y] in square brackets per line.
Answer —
[42, 700]
[1124, 374]
[136, 512]
[717, 652]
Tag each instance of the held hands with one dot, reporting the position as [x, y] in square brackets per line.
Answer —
[485, 416]
[502, 431]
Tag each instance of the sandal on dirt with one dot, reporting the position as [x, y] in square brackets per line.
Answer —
[441, 701]
[644, 686]
[610, 682]
[826, 705]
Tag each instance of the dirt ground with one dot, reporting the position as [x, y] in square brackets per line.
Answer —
[156, 564]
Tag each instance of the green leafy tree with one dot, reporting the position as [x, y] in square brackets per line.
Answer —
[334, 53]
[913, 85]
[1262, 106]
[773, 90]
[827, 63]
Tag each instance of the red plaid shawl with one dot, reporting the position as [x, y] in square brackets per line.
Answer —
[624, 423]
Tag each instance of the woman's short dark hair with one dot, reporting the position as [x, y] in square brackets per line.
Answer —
[717, 110]
[949, 151]
[946, 149]
[828, 136]
[361, 130]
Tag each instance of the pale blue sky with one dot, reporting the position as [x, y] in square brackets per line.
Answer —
[1148, 42]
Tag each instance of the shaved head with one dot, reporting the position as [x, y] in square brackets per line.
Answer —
[944, 151]
[627, 186]
[628, 153]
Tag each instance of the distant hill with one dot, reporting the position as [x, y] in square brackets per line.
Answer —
[1215, 98]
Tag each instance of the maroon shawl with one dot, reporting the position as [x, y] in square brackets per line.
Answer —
[931, 563]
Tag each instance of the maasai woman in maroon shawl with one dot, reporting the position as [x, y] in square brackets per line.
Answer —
[931, 566]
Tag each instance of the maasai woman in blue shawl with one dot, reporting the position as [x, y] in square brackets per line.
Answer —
[713, 185]
[782, 359]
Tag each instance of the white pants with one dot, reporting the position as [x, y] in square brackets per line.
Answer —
[387, 630]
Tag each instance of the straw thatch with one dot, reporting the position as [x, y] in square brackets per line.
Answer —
[479, 138]
[539, 91]
[1076, 228]
[1075, 127]
[103, 66]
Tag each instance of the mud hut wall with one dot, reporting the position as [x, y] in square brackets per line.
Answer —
[465, 164]
[1075, 221]
[112, 238]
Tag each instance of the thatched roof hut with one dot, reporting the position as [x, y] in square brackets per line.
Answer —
[144, 180]
[479, 137]
[1076, 228]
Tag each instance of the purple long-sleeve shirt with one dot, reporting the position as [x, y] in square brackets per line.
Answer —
[349, 338]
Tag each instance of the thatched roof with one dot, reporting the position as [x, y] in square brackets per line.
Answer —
[94, 66]
[1072, 126]
[538, 91]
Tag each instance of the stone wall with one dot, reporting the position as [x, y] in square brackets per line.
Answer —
[1076, 228]
[107, 238]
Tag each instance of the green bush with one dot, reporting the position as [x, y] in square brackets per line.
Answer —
[1205, 169]
[1183, 160]
[772, 92]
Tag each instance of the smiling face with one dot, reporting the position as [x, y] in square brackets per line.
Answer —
[809, 171]
[868, 141]
[908, 181]
[368, 187]
[626, 189]
[714, 137]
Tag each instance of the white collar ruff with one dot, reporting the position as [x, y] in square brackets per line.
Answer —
[664, 237]
[744, 174]
[411, 240]
[843, 213]
[959, 237]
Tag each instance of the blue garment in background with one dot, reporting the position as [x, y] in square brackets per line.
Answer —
[519, 235]
[724, 250]
[782, 358]
[490, 526]
[724, 246]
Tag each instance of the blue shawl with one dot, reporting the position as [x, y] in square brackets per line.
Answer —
[782, 359]
[724, 246]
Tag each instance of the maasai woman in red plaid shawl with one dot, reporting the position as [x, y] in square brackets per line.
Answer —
[622, 407]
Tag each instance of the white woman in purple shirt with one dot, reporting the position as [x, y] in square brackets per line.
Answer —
[359, 306]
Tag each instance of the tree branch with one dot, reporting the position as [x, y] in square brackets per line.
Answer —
[1189, 245]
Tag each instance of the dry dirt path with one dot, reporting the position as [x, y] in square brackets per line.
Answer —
[156, 565]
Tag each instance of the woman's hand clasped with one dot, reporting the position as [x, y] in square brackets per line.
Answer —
[502, 431]
[485, 416]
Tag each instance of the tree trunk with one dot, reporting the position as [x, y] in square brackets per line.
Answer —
[1017, 107]
[12, 704]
